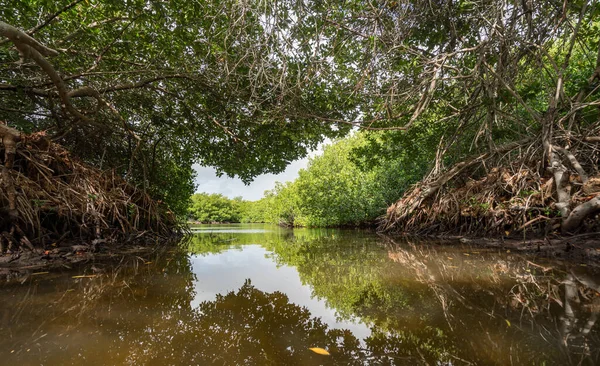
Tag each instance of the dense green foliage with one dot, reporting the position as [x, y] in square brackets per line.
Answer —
[149, 87]
[351, 183]
[146, 88]
[207, 208]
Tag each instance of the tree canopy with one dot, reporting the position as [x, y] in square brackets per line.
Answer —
[148, 87]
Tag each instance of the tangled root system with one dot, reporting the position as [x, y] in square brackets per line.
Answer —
[48, 197]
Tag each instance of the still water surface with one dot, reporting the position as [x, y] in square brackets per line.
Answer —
[263, 295]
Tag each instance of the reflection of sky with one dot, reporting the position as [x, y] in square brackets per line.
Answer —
[227, 271]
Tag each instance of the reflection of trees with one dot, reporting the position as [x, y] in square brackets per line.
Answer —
[354, 276]
[579, 314]
[213, 242]
[444, 305]
[531, 306]
[350, 273]
[249, 326]
[253, 327]
[423, 305]
[145, 318]
[346, 270]
[65, 321]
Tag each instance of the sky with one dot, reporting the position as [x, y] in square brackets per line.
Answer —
[208, 182]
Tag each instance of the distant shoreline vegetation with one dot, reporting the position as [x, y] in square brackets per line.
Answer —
[348, 185]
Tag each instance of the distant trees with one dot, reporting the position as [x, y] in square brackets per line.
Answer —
[207, 208]
[351, 183]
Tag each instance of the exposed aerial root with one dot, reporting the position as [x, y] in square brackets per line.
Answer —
[504, 193]
[48, 197]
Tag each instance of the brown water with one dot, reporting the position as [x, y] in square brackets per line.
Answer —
[261, 295]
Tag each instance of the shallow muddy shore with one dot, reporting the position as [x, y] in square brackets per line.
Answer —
[70, 255]
[578, 249]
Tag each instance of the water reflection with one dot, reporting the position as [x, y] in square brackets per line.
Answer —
[218, 274]
[531, 305]
[264, 298]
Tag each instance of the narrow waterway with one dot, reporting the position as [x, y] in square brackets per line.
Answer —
[263, 295]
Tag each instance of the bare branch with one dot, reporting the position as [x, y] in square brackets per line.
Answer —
[17, 36]
[52, 17]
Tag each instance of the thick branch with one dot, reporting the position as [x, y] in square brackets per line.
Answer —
[32, 53]
[18, 37]
[30, 48]
[580, 213]
[574, 163]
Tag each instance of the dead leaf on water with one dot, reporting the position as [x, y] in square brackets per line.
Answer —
[319, 351]
[467, 254]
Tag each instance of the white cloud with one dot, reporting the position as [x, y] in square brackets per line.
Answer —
[207, 180]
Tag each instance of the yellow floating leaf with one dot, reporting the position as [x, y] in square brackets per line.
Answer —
[85, 276]
[148, 262]
[507, 322]
[467, 254]
[507, 233]
[319, 351]
[508, 251]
